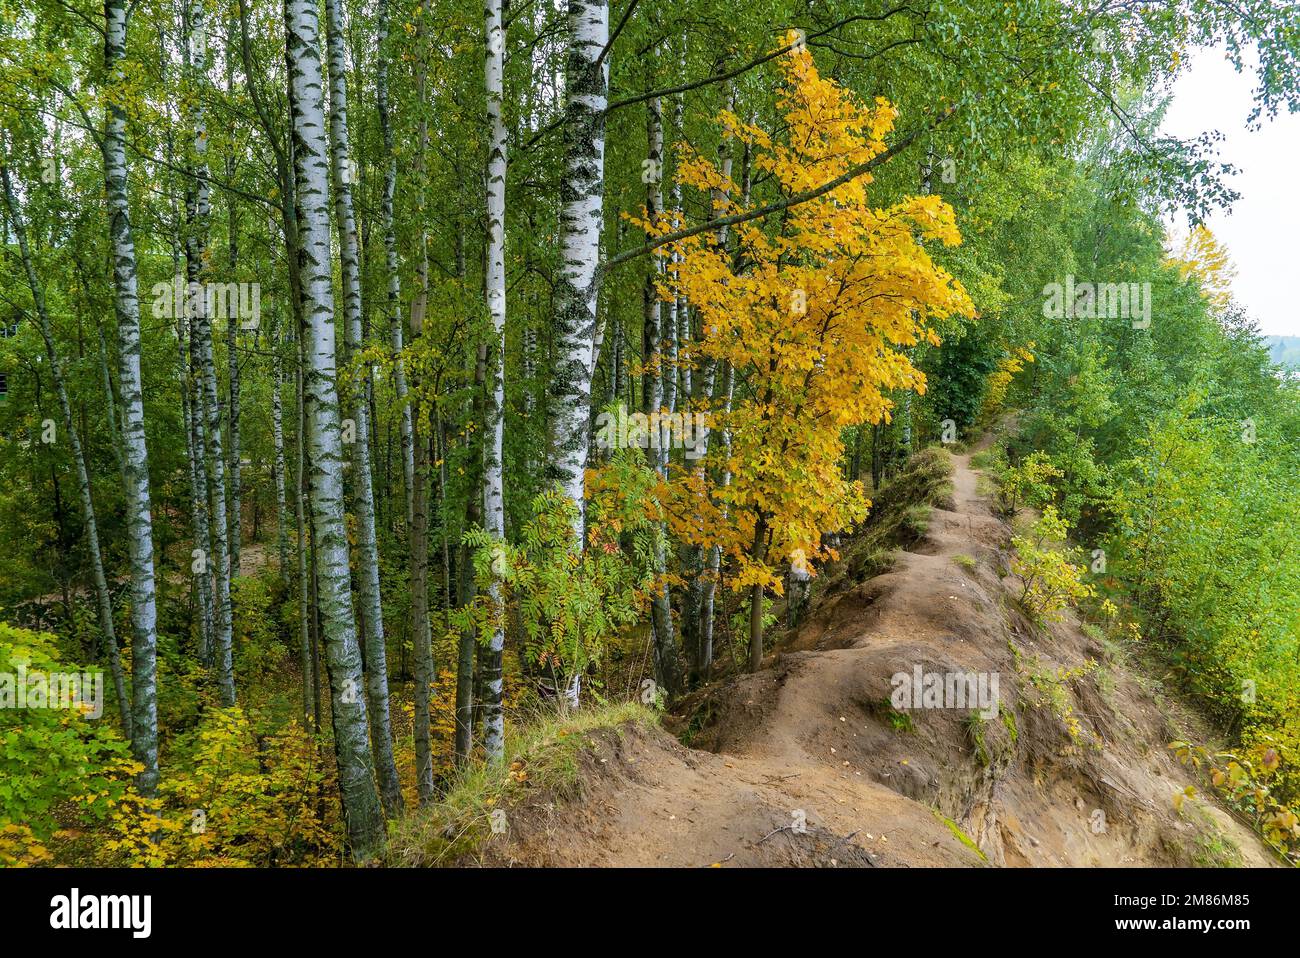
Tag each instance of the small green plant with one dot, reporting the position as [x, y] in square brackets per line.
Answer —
[917, 520]
[65, 758]
[1009, 723]
[960, 835]
[571, 603]
[966, 562]
[1051, 581]
[898, 721]
[1051, 688]
[993, 459]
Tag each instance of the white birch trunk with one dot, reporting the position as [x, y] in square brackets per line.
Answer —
[372, 613]
[135, 456]
[581, 221]
[362, 811]
[197, 213]
[665, 647]
[493, 501]
[277, 440]
[391, 266]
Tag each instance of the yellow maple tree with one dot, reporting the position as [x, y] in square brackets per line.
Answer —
[1203, 256]
[811, 311]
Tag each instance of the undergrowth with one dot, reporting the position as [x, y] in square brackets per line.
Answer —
[542, 754]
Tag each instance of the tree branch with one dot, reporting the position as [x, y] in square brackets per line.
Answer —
[793, 200]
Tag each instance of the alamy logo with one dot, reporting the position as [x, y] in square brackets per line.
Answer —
[945, 690]
[74, 911]
[659, 430]
[179, 299]
[82, 691]
[1098, 301]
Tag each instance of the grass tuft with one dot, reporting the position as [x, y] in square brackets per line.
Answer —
[542, 753]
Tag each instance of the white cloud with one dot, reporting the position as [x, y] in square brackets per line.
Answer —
[1260, 230]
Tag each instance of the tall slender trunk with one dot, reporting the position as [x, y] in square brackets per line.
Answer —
[421, 638]
[361, 805]
[307, 646]
[757, 553]
[587, 72]
[78, 456]
[202, 575]
[197, 214]
[465, 645]
[393, 297]
[668, 332]
[111, 405]
[714, 570]
[282, 156]
[372, 613]
[277, 440]
[420, 616]
[661, 616]
[697, 624]
[235, 502]
[234, 508]
[906, 413]
[135, 456]
[474, 516]
[286, 173]
[494, 420]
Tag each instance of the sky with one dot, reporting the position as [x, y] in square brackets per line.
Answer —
[1259, 232]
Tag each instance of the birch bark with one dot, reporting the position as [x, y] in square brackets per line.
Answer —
[361, 805]
[493, 500]
[135, 455]
[581, 221]
[372, 613]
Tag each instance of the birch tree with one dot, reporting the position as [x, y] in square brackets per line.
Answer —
[372, 614]
[416, 497]
[197, 215]
[392, 272]
[581, 221]
[653, 361]
[493, 499]
[135, 454]
[361, 805]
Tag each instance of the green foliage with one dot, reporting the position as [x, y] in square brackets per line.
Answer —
[1050, 688]
[58, 766]
[246, 795]
[570, 604]
[974, 726]
[960, 377]
[1029, 484]
[1009, 104]
[1209, 545]
[1050, 579]
[261, 654]
[1249, 782]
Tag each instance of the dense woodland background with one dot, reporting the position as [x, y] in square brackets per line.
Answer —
[334, 534]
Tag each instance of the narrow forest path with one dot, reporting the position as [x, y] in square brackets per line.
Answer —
[807, 764]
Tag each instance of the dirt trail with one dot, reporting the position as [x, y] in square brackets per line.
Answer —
[808, 765]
